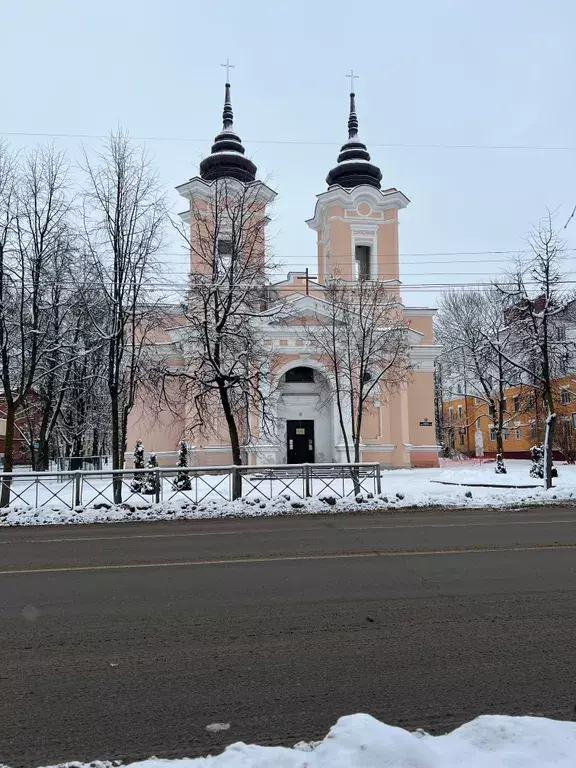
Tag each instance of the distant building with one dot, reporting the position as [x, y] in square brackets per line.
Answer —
[463, 415]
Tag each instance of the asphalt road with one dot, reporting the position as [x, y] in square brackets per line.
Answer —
[125, 641]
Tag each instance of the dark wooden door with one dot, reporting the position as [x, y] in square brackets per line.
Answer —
[300, 437]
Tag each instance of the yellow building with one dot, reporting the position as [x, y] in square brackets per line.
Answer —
[524, 421]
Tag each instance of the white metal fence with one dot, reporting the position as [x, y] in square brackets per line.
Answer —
[141, 487]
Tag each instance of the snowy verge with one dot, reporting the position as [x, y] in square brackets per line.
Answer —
[361, 741]
[402, 489]
[460, 498]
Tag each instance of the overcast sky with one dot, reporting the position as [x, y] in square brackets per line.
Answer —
[448, 72]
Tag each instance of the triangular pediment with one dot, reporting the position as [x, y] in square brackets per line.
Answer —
[297, 309]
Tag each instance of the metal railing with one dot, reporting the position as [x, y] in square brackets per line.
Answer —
[142, 487]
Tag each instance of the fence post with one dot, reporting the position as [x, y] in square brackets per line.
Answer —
[307, 481]
[78, 488]
[157, 482]
[378, 479]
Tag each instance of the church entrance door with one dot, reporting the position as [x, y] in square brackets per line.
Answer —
[300, 437]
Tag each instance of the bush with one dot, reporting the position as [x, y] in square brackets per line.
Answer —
[138, 481]
[183, 481]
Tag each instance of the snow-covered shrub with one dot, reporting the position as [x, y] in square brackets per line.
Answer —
[537, 468]
[137, 483]
[537, 456]
[500, 467]
[150, 480]
[183, 481]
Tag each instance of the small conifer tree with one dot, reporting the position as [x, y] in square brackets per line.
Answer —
[183, 481]
[137, 483]
[151, 480]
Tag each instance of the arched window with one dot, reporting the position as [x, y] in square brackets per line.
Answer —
[300, 375]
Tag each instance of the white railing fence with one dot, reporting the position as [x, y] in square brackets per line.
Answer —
[142, 487]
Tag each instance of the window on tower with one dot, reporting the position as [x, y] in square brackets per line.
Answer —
[224, 248]
[362, 262]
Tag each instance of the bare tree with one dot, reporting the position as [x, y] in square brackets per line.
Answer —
[565, 440]
[538, 310]
[124, 215]
[363, 338]
[470, 327]
[35, 206]
[221, 343]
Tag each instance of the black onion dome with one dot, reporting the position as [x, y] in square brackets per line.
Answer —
[227, 159]
[354, 167]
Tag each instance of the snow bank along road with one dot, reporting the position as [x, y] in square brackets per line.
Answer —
[126, 641]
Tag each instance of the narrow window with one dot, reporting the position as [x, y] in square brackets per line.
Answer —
[362, 262]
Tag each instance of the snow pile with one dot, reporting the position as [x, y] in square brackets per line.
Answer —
[456, 486]
[360, 741]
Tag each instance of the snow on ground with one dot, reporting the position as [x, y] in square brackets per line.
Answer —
[403, 488]
[360, 741]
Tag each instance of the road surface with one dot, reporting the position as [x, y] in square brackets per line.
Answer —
[125, 641]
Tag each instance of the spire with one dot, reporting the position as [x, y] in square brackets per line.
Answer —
[353, 118]
[354, 167]
[227, 114]
[227, 155]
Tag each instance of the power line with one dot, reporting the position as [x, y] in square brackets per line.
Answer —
[297, 142]
[404, 253]
[187, 284]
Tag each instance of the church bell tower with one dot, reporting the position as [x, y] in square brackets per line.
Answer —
[355, 220]
[226, 191]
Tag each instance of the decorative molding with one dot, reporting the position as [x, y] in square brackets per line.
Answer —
[422, 448]
[197, 187]
[213, 448]
[382, 447]
[291, 399]
[348, 219]
[419, 311]
[379, 200]
[423, 356]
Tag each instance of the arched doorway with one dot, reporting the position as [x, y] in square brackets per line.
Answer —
[305, 416]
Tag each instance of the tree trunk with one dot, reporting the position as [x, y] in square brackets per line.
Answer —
[499, 439]
[549, 441]
[234, 441]
[43, 462]
[116, 453]
[95, 441]
[357, 439]
[8, 454]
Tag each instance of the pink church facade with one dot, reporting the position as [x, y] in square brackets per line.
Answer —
[356, 223]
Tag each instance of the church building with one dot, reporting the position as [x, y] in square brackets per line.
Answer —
[356, 224]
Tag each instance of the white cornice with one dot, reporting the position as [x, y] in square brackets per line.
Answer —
[419, 311]
[198, 188]
[358, 220]
[380, 201]
[423, 356]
